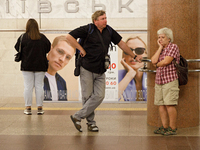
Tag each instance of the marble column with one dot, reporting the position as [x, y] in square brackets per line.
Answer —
[182, 16]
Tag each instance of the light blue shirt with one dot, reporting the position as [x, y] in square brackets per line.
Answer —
[130, 92]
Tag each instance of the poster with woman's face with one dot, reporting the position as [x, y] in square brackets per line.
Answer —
[120, 64]
[132, 83]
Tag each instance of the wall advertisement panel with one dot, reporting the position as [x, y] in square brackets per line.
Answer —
[114, 75]
[128, 17]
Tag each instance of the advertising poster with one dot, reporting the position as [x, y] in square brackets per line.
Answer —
[55, 18]
[114, 75]
[132, 83]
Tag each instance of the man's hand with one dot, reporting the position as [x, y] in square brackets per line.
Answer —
[82, 53]
[138, 58]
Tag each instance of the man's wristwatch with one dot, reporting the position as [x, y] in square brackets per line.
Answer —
[135, 57]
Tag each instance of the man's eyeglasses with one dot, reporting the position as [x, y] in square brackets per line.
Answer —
[138, 50]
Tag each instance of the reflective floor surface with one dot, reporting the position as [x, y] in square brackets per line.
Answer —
[122, 127]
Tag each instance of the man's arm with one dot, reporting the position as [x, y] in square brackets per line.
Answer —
[75, 44]
[127, 50]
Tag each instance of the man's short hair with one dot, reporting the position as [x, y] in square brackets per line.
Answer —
[58, 39]
[97, 14]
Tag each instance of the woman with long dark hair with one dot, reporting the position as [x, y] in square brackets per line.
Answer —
[34, 64]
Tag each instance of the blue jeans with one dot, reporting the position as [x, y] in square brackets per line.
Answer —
[31, 80]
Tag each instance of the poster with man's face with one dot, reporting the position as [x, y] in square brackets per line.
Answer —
[56, 18]
[71, 83]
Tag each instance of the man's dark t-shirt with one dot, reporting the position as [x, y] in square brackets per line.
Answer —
[94, 58]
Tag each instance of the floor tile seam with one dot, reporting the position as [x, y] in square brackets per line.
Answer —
[101, 109]
[108, 135]
[189, 143]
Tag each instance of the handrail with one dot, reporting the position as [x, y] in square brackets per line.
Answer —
[154, 71]
[145, 60]
[188, 60]
[193, 60]
[147, 70]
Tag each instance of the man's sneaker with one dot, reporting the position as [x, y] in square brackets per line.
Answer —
[77, 123]
[40, 111]
[27, 111]
[92, 127]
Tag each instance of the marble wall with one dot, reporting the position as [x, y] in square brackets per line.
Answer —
[182, 16]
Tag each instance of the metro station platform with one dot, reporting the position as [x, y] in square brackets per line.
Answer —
[122, 126]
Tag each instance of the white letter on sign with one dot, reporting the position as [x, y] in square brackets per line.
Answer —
[76, 3]
[125, 5]
[23, 6]
[44, 7]
[97, 5]
[7, 6]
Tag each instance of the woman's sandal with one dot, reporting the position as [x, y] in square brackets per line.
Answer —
[160, 130]
[170, 131]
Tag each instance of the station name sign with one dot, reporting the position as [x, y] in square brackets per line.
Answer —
[72, 8]
[45, 6]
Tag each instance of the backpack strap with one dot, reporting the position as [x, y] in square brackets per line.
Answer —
[83, 40]
[90, 31]
[110, 31]
[91, 28]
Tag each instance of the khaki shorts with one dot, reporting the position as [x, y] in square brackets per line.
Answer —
[167, 94]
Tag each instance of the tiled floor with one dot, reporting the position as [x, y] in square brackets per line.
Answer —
[122, 127]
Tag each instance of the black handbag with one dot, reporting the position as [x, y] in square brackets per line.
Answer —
[182, 70]
[18, 55]
[77, 65]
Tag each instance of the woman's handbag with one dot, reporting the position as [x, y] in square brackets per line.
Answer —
[18, 55]
[182, 70]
